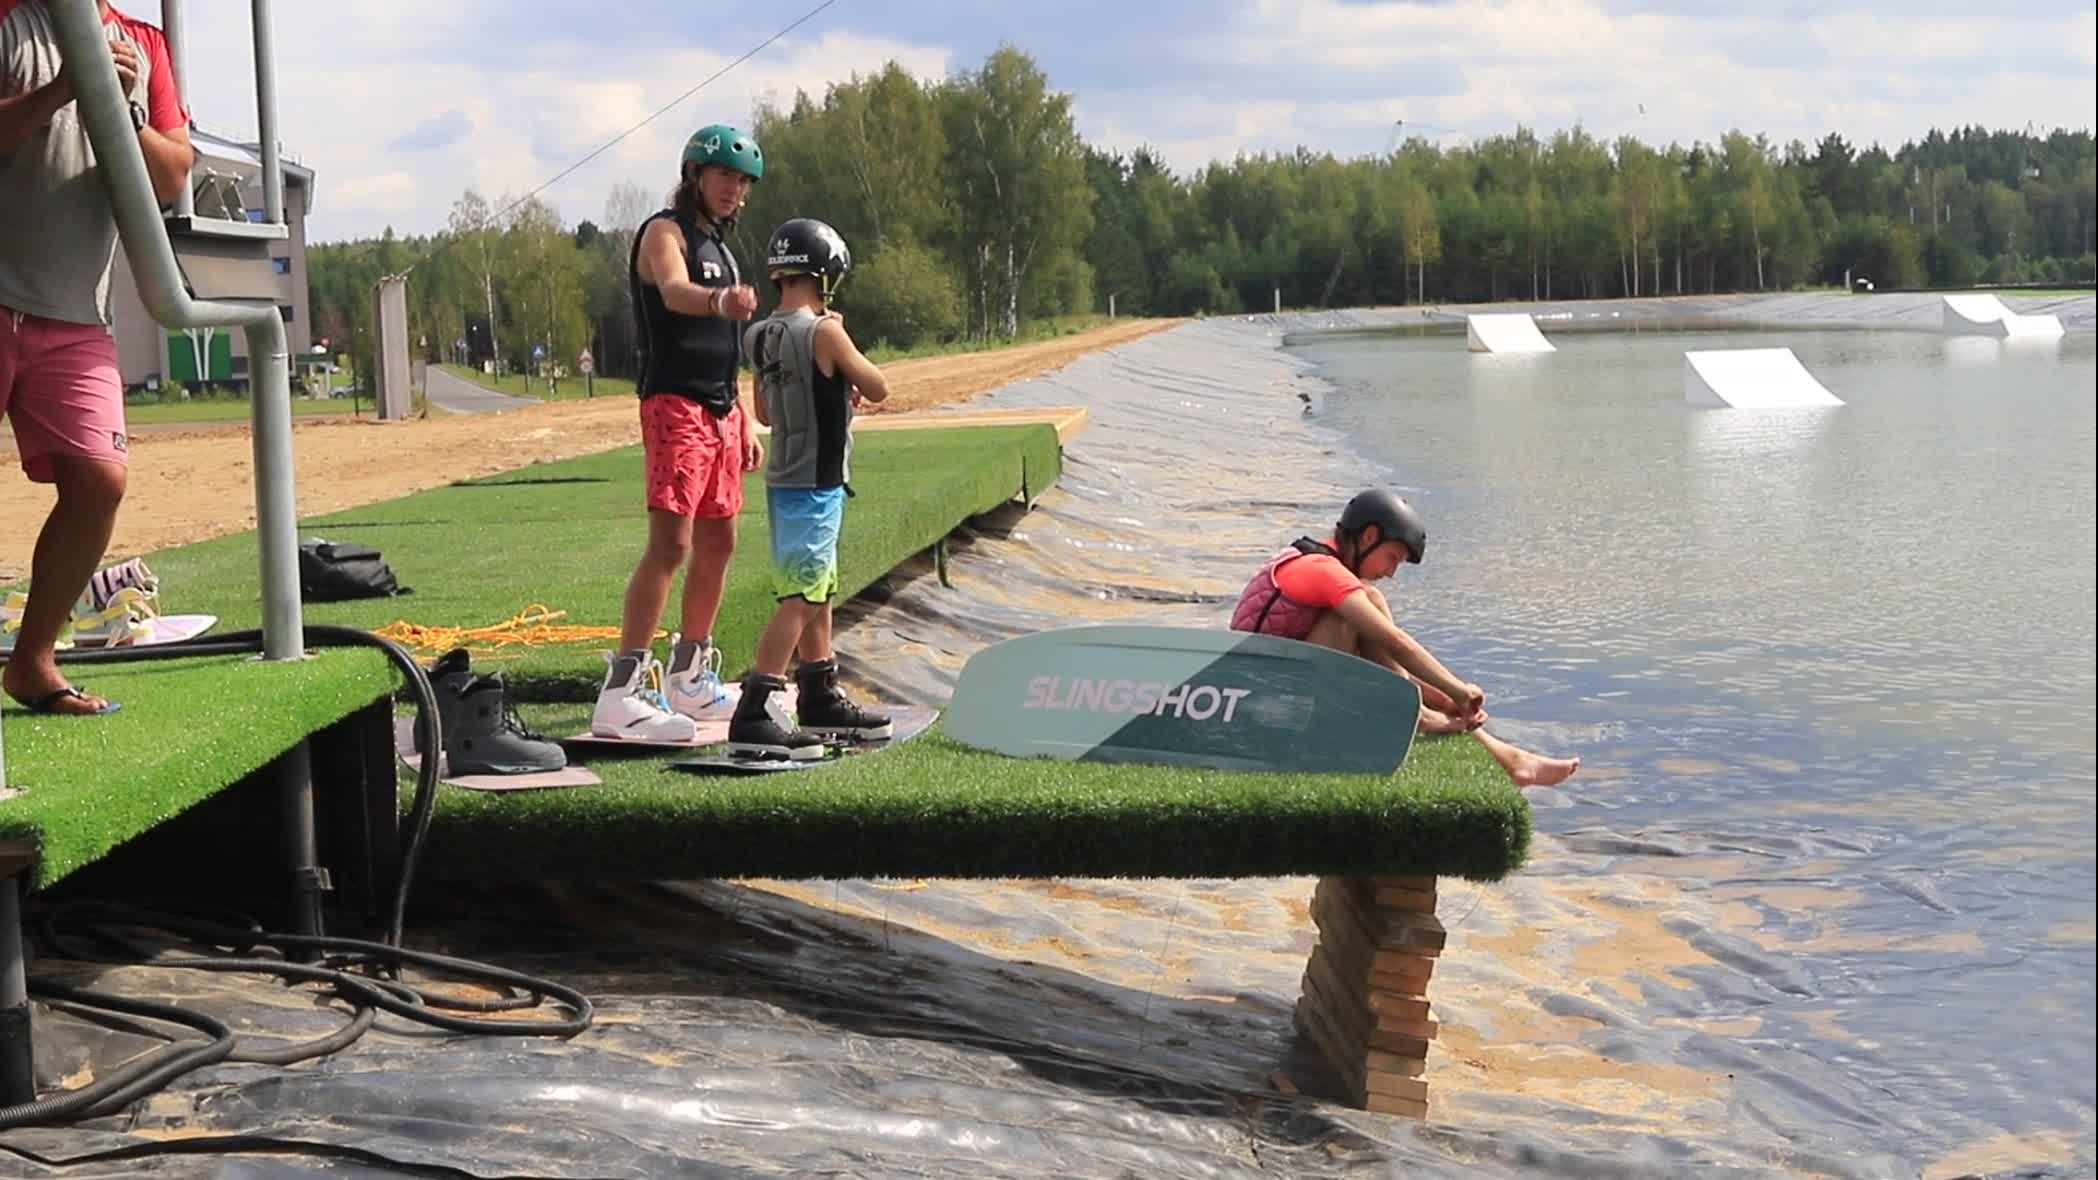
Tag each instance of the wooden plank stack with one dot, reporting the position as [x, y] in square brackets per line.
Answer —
[1365, 1000]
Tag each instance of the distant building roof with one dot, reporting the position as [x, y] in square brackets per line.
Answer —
[223, 145]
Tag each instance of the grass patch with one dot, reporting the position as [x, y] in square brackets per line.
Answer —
[188, 728]
[567, 535]
[572, 387]
[1033, 332]
[231, 410]
[880, 352]
[934, 808]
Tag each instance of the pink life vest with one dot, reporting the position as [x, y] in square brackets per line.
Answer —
[1263, 607]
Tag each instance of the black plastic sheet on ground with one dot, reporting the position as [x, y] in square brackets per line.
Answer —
[1629, 1005]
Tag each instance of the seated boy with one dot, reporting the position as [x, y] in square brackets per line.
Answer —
[1316, 591]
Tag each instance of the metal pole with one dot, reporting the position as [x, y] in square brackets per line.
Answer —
[276, 515]
[175, 30]
[122, 167]
[266, 114]
[309, 881]
[17, 1058]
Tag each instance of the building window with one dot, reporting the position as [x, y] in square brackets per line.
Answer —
[283, 265]
[284, 309]
[258, 216]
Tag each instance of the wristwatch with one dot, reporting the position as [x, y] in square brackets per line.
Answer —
[138, 116]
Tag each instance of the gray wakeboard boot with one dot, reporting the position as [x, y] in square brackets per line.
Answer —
[449, 677]
[490, 738]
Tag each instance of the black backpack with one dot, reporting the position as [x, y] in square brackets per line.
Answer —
[332, 572]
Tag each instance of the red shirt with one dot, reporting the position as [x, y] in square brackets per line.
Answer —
[164, 109]
[1316, 580]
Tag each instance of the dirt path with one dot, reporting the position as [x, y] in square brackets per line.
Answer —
[197, 483]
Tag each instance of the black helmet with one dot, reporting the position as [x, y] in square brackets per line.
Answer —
[806, 246]
[1395, 520]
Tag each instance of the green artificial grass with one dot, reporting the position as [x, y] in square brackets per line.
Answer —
[566, 535]
[188, 728]
[931, 807]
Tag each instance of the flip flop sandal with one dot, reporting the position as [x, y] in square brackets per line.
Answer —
[43, 704]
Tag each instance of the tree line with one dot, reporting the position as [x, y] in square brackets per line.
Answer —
[973, 207]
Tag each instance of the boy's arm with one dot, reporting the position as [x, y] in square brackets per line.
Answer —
[757, 401]
[1361, 612]
[834, 344]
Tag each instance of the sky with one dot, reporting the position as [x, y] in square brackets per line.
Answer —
[401, 105]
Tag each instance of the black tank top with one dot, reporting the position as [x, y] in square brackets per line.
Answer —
[694, 356]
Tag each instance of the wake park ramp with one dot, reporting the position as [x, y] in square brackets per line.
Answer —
[1751, 379]
[1986, 315]
[1504, 333]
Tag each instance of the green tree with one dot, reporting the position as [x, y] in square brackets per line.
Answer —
[902, 295]
[1017, 171]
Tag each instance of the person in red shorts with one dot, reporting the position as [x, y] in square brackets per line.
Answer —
[688, 296]
[1317, 592]
[59, 383]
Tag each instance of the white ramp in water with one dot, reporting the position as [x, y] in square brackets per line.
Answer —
[1504, 333]
[1986, 315]
[1751, 379]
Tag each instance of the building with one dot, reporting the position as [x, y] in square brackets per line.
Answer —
[227, 183]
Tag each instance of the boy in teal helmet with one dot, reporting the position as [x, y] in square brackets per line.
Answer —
[689, 298]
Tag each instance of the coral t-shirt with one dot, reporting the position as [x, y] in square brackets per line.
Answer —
[1316, 580]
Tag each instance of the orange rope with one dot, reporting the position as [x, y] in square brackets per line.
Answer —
[534, 626]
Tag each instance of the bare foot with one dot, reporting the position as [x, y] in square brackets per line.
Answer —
[1536, 770]
[47, 688]
[1434, 721]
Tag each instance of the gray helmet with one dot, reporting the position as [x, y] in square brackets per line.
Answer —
[1394, 517]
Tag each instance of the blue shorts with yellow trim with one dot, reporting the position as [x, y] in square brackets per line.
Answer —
[805, 524]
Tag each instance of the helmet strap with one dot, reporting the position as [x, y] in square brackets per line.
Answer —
[1361, 552]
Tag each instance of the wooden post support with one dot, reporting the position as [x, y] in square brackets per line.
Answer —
[1365, 1001]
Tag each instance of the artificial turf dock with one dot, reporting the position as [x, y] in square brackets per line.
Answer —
[565, 535]
[188, 729]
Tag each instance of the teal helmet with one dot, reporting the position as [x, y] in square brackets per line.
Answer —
[722, 144]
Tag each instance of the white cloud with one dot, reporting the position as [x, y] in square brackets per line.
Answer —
[1265, 76]
[1480, 67]
[348, 87]
[390, 192]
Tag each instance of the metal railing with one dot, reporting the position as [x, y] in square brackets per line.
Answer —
[104, 112]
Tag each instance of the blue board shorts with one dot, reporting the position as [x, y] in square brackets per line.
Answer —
[805, 524]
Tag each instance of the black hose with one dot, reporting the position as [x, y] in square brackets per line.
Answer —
[133, 1080]
[413, 1004]
[368, 993]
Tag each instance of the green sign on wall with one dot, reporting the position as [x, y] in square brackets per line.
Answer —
[217, 353]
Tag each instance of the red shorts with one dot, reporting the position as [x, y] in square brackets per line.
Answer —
[694, 460]
[60, 388]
